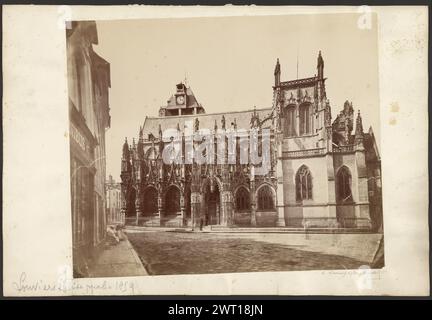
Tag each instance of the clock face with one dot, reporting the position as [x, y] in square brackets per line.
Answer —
[180, 100]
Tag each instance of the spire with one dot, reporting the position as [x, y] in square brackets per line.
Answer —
[254, 122]
[359, 129]
[359, 124]
[125, 149]
[320, 66]
[277, 73]
[125, 164]
[327, 114]
[141, 135]
[140, 147]
[161, 144]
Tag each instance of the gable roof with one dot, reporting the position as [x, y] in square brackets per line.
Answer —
[191, 101]
[206, 120]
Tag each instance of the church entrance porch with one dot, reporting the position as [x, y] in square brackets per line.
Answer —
[172, 213]
[211, 206]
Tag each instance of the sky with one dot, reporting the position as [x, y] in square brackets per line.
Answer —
[229, 62]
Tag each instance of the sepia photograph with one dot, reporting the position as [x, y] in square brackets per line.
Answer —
[190, 151]
[223, 145]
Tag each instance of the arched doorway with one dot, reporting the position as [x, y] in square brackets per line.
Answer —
[130, 209]
[211, 204]
[172, 201]
[150, 204]
[266, 214]
[242, 200]
[242, 206]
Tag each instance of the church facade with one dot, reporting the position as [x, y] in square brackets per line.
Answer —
[321, 171]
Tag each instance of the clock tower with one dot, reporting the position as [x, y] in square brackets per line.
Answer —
[181, 103]
[180, 96]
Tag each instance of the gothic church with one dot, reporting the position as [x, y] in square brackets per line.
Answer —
[324, 172]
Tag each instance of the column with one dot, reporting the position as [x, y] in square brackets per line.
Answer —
[195, 207]
[362, 208]
[253, 203]
[137, 207]
[227, 208]
[182, 209]
[332, 215]
[160, 207]
[280, 205]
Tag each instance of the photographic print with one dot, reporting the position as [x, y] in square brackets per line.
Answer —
[222, 145]
[211, 151]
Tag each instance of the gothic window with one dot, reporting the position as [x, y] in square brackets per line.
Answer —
[265, 199]
[172, 200]
[150, 205]
[151, 153]
[344, 185]
[303, 184]
[290, 123]
[242, 199]
[305, 121]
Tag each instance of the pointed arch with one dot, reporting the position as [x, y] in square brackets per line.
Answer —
[289, 126]
[266, 198]
[303, 181]
[211, 201]
[207, 181]
[242, 199]
[172, 200]
[152, 153]
[150, 201]
[305, 123]
[343, 184]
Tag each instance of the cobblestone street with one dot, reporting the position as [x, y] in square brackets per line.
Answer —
[200, 253]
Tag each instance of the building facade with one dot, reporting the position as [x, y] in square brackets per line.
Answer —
[88, 85]
[321, 172]
[113, 202]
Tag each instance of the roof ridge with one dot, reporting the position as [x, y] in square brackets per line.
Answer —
[208, 114]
